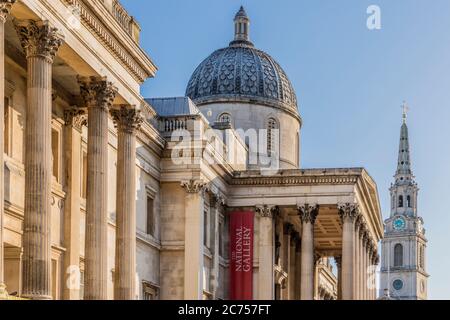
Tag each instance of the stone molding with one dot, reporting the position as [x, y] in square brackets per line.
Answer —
[308, 213]
[193, 185]
[97, 92]
[39, 39]
[5, 9]
[126, 119]
[289, 181]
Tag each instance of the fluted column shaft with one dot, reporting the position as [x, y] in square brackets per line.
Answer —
[266, 251]
[308, 215]
[298, 264]
[41, 43]
[215, 230]
[98, 95]
[74, 121]
[127, 122]
[361, 262]
[348, 213]
[193, 246]
[357, 264]
[5, 8]
[287, 229]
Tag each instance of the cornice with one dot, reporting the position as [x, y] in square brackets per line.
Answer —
[295, 180]
[140, 70]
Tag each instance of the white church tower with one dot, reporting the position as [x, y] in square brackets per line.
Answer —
[403, 273]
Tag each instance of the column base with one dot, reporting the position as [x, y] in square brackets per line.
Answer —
[37, 297]
[3, 292]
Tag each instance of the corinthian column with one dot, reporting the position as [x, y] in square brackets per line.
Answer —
[5, 9]
[98, 95]
[127, 122]
[41, 43]
[266, 249]
[348, 213]
[193, 244]
[74, 121]
[308, 215]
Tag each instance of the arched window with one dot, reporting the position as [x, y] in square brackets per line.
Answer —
[400, 201]
[225, 118]
[398, 255]
[272, 134]
[393, 202]
[408, 201]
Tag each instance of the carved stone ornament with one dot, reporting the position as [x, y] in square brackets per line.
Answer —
[126, 119]
[39, 39]
[308, 213]
[193, 185]
[267, 211]
[348, 212]
[75, 117]
[5, 9]
[97, 92]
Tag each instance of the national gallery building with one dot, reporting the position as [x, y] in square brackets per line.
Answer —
[106, 194]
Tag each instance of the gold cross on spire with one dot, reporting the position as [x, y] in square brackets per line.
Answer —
[405, 110]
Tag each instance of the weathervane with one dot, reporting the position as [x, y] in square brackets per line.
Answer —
[405, 110]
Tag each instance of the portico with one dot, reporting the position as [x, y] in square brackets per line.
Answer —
[331, 211]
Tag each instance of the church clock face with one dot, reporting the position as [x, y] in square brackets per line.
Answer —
[398, 285]
[399, 224]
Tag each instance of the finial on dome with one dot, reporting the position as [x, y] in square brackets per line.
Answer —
[241, 28]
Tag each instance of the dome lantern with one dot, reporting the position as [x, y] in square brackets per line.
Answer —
[241, 29]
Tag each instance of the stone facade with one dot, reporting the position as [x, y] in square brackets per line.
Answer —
[108, 195]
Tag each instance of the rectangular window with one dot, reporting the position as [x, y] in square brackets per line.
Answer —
[221, 239]
[55, 154]
[149, 291]
[205, 228]
[150, 216]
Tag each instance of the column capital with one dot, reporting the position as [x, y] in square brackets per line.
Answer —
[267, 211]
[348, 212]
[97, 92]
[75, 117]
[39, 39]
[308, 213]
[217, 199]
[5, 9]
[126, 119]
[193, 185]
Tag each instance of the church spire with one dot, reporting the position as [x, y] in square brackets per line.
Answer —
[241, 28]
[404, 158]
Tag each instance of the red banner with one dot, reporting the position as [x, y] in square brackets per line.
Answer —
[241, 246]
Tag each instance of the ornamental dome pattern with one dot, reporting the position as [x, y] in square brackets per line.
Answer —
[241, 73]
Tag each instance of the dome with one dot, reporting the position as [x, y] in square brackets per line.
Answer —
[241, 73]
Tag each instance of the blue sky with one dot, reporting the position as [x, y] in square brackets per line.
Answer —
[350, 82]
